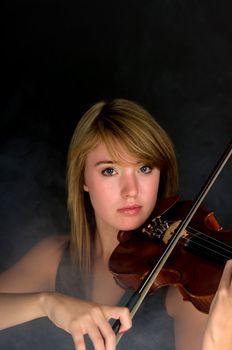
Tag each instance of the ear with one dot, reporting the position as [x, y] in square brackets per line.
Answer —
[85, 187]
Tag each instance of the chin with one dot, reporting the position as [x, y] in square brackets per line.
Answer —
[130, 226]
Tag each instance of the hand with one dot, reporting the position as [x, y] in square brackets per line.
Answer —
[218, 334]
[79, 317]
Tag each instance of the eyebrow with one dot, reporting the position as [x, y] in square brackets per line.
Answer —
[104, 162]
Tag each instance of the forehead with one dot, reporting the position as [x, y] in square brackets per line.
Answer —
[100, 154]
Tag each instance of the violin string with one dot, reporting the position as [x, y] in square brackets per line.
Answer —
[216, 253]
[194, 231]
[206, 238]
[210, 240]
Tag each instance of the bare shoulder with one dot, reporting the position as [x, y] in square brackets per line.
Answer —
[50, 244]
[189, 323]
[36, 270]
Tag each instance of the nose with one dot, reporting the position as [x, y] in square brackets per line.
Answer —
[129, 186]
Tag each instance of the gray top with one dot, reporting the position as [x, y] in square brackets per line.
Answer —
[152, 327]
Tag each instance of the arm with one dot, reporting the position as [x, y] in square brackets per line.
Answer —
[73, 315]
[189, 323]
[218, 334]
[197, 331]
[16, 308]
[22, 299]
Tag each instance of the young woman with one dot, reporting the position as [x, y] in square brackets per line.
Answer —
[120, 162]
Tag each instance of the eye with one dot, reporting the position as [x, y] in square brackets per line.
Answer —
[108, 172]
[145, 169]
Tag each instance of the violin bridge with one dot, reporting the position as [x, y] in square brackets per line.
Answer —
[171, 229]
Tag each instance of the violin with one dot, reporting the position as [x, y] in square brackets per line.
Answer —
[195, 265]
[181, 245]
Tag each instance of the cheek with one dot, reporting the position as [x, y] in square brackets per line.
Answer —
[151, 194]
[100, 195]
[155, 188]
[151, 191]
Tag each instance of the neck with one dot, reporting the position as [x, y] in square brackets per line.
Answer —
[105, 243]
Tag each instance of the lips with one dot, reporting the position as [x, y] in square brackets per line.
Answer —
[130, 210]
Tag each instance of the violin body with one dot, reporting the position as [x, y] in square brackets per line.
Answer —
[196, 263]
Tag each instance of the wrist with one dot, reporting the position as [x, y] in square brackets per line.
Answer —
[44, 299]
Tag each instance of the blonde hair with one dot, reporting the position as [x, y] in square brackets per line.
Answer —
[119, 122]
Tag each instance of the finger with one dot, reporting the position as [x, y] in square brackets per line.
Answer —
[226, 275]
[107, 333]
[79, 342]
[94, 334]
[96, 337]
[119, 313]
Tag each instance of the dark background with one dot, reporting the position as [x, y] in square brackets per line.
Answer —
[173, 57]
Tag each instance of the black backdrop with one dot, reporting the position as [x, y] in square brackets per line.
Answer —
[173, 57]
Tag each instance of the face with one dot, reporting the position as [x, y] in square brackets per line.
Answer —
[123, 193]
